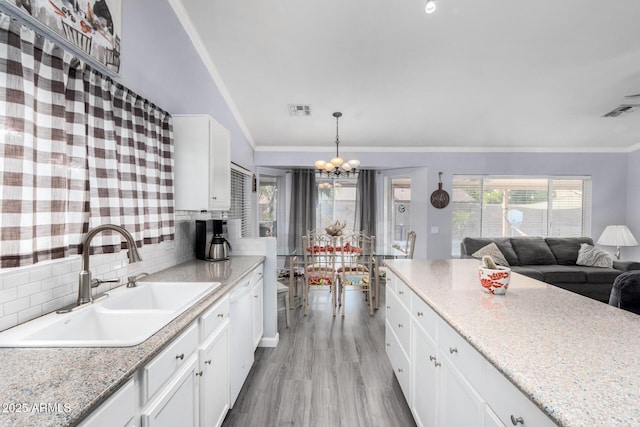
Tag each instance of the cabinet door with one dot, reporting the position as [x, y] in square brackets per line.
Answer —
[118, 411]
[257, 301]
[177, 403]
[460, 404]
[214, 385]
[491, 419]
[425, 379]
[202, 178]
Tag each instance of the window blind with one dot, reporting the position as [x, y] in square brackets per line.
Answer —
[241, 199]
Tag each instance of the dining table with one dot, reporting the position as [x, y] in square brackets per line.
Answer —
[293, 259]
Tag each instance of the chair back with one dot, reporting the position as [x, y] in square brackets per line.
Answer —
[356, 254]
[319, 259]
[411, 244]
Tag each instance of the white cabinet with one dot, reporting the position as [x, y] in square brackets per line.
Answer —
[202, 164]
[451, 383]
[214, 381]
[118, 411]
[257, 303]
[241, 340]
[177, 403]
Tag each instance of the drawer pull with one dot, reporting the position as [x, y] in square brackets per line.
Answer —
[207, 362]
[437, 364]
[420, 313]
[400, 292]
[515, 421]
[453, 350]
[400, 370]
[180, 356]
[221, 315]
[432, 358]
[388, 307]
[255, 296]
[388, 345]
[400, 325]
[199, 374]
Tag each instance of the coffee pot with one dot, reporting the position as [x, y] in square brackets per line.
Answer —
[219, 249]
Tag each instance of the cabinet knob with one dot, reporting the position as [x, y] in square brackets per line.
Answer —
[255, 296]
[420, 313]
[453, 350]
[432, 358]
[400, 370]
[199, 374]
[400, 292]
[437, 364]
[214, 198]
[388, 307]
[180, 356]
[515, 421]
[221, 315]
[388, 345]
[207, 362]
[400, 325]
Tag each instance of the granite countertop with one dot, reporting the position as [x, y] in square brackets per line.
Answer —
[61, 386]
[576, 358]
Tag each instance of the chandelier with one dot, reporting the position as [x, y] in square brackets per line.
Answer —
[337, 166]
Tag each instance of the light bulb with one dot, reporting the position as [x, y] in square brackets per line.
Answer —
[354, 164]
[320, 164]
[337, 162]
[329, 167]
[430, 6]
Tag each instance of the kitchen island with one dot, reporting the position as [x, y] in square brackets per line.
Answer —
[576, 359]
[61, 386]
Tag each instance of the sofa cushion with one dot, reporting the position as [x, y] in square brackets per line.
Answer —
[532, 251]
[472, 244]
[600, 274]
[555, 273]
[593, 257]
[494, 252]
[529, 272]
[565, 249]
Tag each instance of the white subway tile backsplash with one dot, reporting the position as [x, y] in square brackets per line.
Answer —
[16, 305]
[29, 314]
[8, 295]
[61, 268]
[51, 282]
[29, 289]
[15, 279]
[41, 298]
[62, 291]
[40, 273]
[8, 321]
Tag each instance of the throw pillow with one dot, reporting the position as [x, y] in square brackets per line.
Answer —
[593, 257]
[494, 252]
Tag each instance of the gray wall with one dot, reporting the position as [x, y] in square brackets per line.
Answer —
[160, 63]
[633, 203]
[615, 189]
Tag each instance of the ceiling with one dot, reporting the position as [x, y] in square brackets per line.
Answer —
[498, 74]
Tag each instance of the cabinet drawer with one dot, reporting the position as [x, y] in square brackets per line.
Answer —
[256, 275]
[404, 293]
[462, 355]
[118, 410]
[424, 315]
[400, 321]
[507, 401]
[214, 317]
[390, 282]
[158, 371]
[399, 362]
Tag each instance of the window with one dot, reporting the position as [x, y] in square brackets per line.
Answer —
[268, 206]
[241, 198]
[497, 206]
[336, 202]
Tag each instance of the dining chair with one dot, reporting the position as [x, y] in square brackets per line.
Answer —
[356, 254]
[319, 267]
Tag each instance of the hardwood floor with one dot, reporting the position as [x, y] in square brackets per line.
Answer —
[326, 371]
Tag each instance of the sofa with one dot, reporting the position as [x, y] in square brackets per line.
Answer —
[553, 260]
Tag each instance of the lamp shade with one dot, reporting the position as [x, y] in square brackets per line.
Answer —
[617, 235]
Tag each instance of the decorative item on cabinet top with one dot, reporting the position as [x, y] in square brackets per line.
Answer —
[439, 198]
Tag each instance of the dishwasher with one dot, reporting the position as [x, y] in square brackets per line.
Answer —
[241, 342]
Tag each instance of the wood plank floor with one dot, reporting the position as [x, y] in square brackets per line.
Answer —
[326, 371]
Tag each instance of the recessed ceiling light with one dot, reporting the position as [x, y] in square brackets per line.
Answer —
[430, 6]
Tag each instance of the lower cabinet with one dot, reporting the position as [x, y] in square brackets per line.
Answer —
[451, 383]
[257, 306]
[214, 381]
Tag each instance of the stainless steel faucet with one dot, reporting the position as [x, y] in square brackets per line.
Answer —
[85, 283]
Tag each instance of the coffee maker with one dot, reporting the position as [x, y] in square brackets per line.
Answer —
[211, 243]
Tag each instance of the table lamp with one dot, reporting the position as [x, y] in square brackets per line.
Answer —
[617, 235]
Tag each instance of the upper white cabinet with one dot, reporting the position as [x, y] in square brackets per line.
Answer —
[202, 164]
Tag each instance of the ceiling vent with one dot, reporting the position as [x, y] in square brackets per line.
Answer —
[299, 110]
[622, 109]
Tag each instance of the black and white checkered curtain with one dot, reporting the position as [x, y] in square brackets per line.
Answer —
[76, 150]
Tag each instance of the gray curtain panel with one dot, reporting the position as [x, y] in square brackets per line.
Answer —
[304, 197]
[366, 203]
[78, 150]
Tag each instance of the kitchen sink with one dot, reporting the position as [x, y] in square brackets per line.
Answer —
[127, 317]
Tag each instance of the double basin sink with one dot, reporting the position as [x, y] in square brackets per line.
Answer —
[127, 317]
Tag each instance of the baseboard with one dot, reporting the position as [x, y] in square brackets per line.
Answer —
[269, 341]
